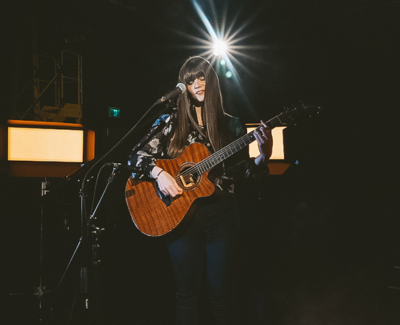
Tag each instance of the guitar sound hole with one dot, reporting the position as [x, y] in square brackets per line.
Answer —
[188, 178]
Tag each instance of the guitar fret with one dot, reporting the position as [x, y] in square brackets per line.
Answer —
[226, 152]
[252, 137]
[275, 121]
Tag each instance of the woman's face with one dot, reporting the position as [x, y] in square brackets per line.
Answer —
[197, 88]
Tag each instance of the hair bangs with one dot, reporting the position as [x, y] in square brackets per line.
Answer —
[195, 67]
[193, 75]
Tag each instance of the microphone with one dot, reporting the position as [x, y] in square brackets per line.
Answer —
[179, 89]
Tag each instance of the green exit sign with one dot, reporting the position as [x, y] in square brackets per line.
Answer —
[114, 112]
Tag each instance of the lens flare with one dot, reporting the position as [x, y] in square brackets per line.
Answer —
[220, 48]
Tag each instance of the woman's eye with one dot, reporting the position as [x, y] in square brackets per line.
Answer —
[190, 83]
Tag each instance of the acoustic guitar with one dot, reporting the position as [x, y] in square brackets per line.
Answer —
[155, 214]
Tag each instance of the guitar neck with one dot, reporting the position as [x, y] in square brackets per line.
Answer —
[232, 148]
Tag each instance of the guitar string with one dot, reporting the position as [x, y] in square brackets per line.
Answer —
[276, 120]
[220, 155]
[217, 155]
[224, 153]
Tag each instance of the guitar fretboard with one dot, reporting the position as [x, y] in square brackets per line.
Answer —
[232, 148]
[214, 159]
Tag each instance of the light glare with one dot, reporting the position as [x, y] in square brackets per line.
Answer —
[219, 48]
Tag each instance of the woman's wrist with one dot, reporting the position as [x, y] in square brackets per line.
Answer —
[260, 160]
[159, 173]
[156, 171]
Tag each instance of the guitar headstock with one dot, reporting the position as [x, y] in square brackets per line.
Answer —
[293, 114]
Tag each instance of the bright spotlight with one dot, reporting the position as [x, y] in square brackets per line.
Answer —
[219, 48]
[221, 44]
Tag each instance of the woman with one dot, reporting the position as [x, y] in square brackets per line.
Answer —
[207, 243]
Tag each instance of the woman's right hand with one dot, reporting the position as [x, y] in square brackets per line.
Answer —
[166, 183]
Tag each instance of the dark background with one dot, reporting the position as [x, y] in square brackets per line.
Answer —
[320, 243]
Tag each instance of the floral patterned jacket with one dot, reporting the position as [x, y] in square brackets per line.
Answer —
[154, 146]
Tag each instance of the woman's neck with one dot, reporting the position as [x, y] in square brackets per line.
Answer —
[199, 115]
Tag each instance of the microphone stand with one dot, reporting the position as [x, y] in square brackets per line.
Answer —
[84, 238]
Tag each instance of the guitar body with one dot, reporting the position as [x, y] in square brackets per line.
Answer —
[155, 215]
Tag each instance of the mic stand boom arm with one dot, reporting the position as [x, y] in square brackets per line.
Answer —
[83, 243]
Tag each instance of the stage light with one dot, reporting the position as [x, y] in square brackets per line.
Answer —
[278, 163]
[220, 42]
[228, 74]
[44, 149]
[278, 150]
[223, 43]
[40, 144]
[219, 48]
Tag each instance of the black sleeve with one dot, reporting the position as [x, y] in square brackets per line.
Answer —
[241, 165]
[152, 147]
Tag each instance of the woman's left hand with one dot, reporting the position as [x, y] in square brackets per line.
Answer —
[265, 142]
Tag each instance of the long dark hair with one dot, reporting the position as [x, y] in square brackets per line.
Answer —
[212, 111]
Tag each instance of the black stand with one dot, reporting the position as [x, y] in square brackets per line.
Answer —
[40, 290]
[86, 227]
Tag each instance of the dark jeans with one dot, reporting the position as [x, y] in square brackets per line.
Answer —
[209, 241]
